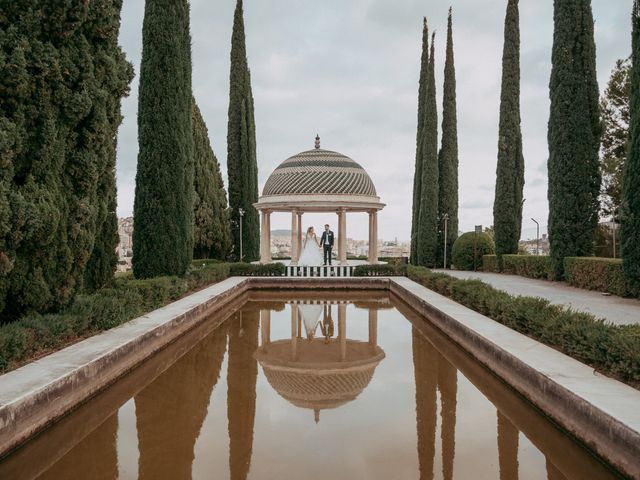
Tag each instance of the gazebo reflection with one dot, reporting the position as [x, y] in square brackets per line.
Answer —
[318, 368]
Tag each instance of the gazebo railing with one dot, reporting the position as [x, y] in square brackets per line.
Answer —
[320, 271]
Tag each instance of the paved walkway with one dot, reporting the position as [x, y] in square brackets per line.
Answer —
[621, 311]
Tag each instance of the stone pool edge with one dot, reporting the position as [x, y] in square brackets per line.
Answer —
[601, 412]
[34, 396]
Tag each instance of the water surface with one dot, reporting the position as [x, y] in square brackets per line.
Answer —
[294, 387]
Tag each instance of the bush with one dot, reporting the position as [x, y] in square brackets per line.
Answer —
[382, 270]
[257, 269]
[528, 266]
[34, 334]
[463, 250]
[601, 274]
[395, 260]
[612, 349]
[490, 263]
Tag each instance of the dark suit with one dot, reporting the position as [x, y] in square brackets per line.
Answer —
[327, 245]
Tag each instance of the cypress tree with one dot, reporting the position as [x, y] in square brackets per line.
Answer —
[114, 74]
[417, 176]
[630, 229]
[574, 134]
[64, 78]
[507, 206]
[211, 230]
[163, 207]
[428, 217]
[242, 166]
[448, 156]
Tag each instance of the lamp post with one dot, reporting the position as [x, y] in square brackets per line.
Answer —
[241, 213]
[446, 222]
[537, 236]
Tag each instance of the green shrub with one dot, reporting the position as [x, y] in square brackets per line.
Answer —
[528, 266]
[465, 246]
[601, 274]
[612, 349]
[394, 260]
[34, 334]
[257, 269]
[490, 263]
[381, 270]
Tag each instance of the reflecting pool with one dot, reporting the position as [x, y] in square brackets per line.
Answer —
[304, 386]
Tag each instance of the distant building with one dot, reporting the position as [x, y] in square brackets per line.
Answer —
[124, 250]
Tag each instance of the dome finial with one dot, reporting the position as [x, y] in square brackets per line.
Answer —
[316, 414]
[317, 141]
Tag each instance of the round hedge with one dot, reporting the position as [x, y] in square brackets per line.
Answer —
[462, 253]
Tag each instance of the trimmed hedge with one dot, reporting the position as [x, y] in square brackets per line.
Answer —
[612, 349]
[257, 269]
[601, 274]
[34, 334]
[528, 266]
[463, 250]
[490, 263]
[383, 270]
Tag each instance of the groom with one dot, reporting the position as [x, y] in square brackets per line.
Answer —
[326, 241]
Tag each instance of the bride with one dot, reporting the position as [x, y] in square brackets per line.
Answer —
[311, 254]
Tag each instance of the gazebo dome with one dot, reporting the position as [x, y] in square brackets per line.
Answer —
[318, 379]
[321, 172]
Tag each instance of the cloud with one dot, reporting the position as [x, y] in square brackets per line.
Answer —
[349, 71]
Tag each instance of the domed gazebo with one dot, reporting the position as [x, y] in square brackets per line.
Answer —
[318, 181]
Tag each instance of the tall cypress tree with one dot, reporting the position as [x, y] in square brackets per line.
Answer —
[507, 206]
[448, 156]
[242, 166]
[64, 78]
[428, 218]
[417, 176]
[114, 74]
[630, 229]
[163, 208]
[211, 230]
[574, 134]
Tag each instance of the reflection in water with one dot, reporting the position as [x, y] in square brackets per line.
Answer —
[324, 354]
[553, 473]
[171, 409]
[94, 457]
[507, 448]
[425, 364]
[242, 374]
[318, 373]
[448, 386]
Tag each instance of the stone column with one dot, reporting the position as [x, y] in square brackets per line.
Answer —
[373, 327]
[294, 331]
[263, 237]
[342, 329]
[342, 236]
[371, 258]
[294, 237]
[299, 236]
[375, 236]
[265, 326]
[267, 248]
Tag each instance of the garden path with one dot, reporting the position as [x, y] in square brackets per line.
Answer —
[621, 311]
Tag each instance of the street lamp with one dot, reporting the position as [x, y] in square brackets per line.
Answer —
[241, 212]
[446, 221]
[537, 236]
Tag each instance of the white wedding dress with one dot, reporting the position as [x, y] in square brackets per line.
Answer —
[311, 318]
[311, 254]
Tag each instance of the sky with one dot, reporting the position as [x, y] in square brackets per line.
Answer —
[348, 70]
